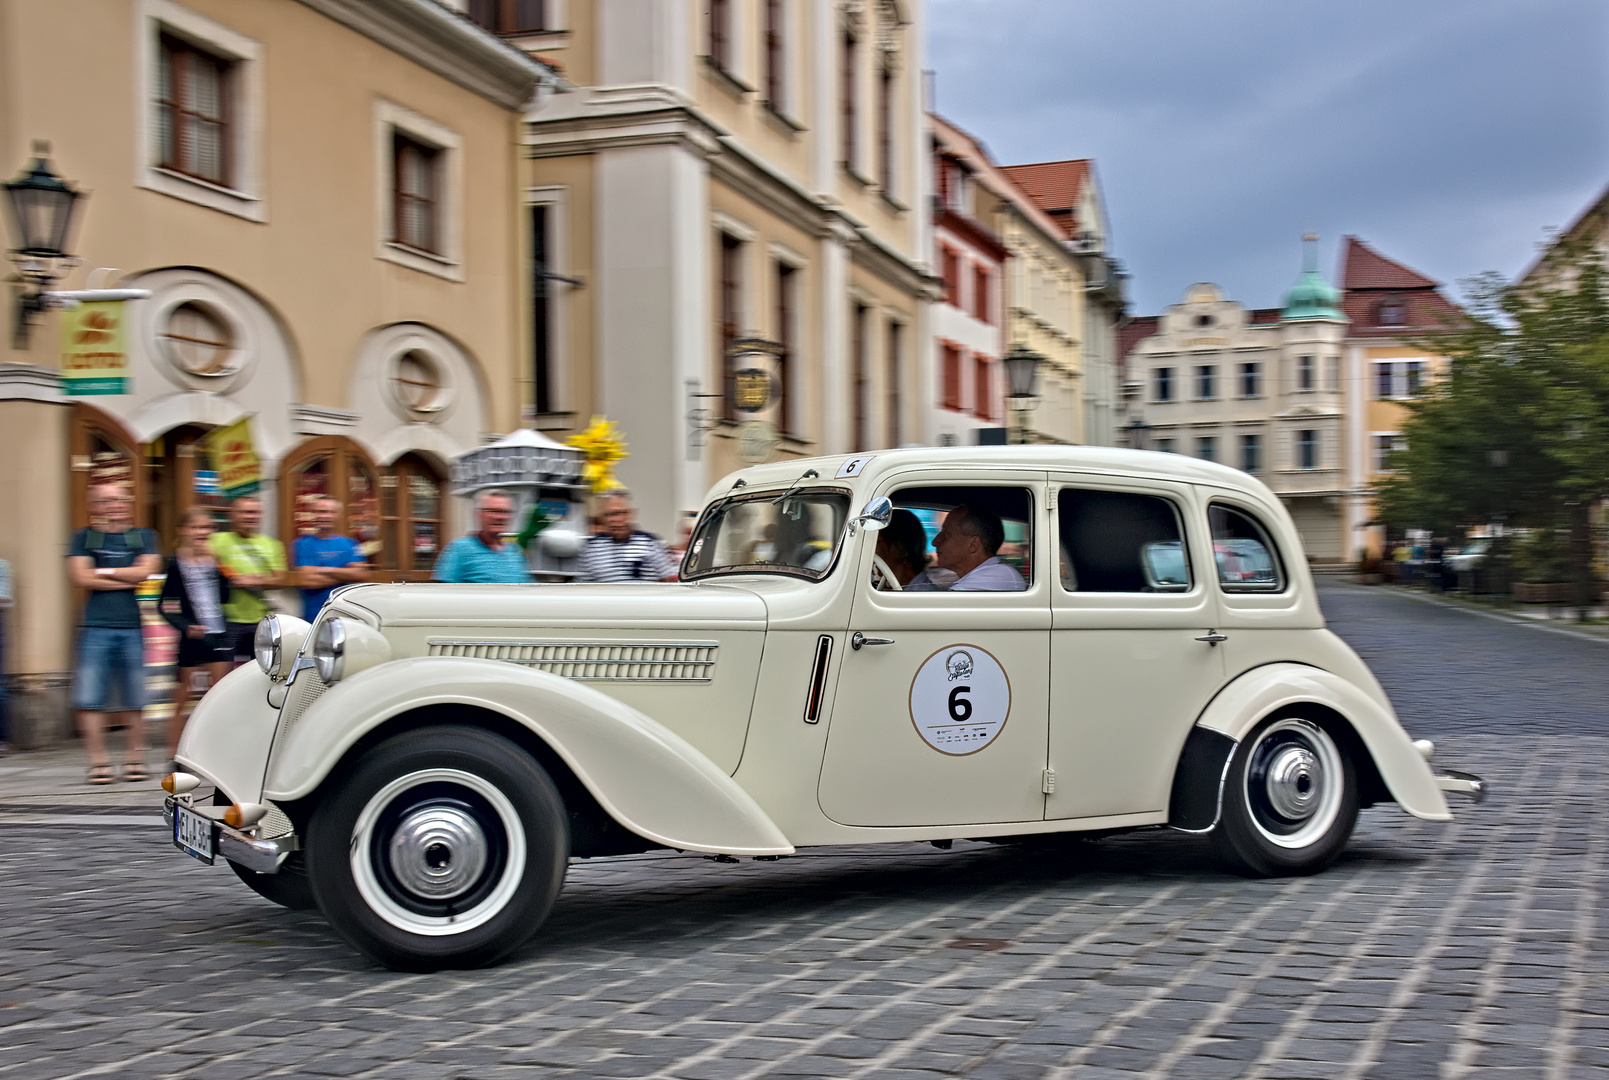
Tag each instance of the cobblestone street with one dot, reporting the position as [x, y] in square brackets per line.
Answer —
[1428, 951]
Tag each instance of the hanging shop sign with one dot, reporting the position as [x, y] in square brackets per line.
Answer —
[751, 390]
[235, 458]
[94, 359]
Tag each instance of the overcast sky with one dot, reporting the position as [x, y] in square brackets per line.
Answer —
[1447, 134]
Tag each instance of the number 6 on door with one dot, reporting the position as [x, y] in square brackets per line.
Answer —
[960, 699]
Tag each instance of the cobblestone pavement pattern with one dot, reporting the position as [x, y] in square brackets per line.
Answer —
[1428, 950]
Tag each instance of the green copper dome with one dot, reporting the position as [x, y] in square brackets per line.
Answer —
[1312, 297]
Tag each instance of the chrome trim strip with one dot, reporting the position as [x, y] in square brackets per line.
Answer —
[1223, 779]
[263, 856]
[695, 665]
[1463, 783]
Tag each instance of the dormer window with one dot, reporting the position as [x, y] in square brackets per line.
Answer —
[1393, 311]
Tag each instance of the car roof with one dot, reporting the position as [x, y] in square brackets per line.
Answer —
[1097, 459]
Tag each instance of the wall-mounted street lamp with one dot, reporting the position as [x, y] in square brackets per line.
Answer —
[42, 206]
[1137, 428]
[1022, 372]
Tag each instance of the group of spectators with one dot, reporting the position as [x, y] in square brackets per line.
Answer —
[219, 585]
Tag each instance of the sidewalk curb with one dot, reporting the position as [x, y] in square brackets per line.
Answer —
[1498, 616]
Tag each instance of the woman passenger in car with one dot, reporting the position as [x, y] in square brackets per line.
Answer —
[968, 546]
[902, 546]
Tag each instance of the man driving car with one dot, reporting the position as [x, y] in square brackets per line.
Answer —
[968, 546]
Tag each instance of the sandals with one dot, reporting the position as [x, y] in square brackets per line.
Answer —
[100, 775]
[134, 773]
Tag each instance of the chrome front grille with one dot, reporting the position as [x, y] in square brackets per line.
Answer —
[597, 661]
[307, 689]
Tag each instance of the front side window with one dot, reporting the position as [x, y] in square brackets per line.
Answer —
[1164, 384]
[192, 112]
[1120, 542]
[1247, 559]
[954, 538]
[769, 533]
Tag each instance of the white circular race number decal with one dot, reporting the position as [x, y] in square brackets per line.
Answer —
[960, 699]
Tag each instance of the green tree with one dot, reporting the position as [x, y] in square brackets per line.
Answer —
[1518, 432]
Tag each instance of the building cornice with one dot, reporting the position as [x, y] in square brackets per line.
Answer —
[30, 382]
[445, 43]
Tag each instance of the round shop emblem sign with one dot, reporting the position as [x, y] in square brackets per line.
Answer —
[960, 699]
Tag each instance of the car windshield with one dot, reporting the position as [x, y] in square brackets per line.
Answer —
[769, 532]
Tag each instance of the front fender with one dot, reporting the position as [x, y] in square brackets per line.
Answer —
[648, 778]
[1265, 690]
[227, 737]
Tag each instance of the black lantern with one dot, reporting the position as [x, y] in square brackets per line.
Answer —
[1022, 370]
[42, 205]
[41, 209]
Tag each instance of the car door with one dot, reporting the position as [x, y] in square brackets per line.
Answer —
[1130, 673]
[939, 717]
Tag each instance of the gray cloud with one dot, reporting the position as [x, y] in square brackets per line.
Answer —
[1447, 133]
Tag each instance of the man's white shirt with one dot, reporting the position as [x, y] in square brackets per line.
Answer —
[991, 575]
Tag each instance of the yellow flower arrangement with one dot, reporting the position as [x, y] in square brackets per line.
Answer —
[602, 444]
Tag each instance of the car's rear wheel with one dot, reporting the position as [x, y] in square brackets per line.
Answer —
[443, 847]
[1290, 799]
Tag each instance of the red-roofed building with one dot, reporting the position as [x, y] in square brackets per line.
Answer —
[1070, 194]
[1391, 309]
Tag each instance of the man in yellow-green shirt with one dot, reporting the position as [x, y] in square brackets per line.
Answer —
[252, 562]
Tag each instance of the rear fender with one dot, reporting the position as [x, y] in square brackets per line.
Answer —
[1272, 688]
[645, 776]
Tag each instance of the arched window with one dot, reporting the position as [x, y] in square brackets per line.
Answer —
[413, 517]
[335, 466]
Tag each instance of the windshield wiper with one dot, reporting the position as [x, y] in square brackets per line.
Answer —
[808, 473]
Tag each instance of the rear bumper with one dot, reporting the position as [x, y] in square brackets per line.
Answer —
[1463, 783]
[241, 848]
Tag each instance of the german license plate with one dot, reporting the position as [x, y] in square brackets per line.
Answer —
[193, 834]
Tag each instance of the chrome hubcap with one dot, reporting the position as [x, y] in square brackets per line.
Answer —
[1295, 782]
[437, 852]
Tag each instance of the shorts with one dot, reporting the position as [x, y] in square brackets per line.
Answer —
[208, 649]
[110, 667]
[244, 636]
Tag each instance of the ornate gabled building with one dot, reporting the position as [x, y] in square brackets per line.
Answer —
[1261, 390]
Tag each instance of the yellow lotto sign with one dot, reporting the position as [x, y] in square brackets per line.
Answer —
[93, 357]
[233, 455]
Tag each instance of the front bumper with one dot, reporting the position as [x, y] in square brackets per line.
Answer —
[239, 847]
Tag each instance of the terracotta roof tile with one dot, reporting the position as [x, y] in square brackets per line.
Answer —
[1427, 311]
[1055, 187]
[1364, 268]
[1135, 331]
[1264, 315]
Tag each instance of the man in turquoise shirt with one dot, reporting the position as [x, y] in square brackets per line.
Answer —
[484, 556]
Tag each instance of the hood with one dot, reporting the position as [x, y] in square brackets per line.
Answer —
[704, 605]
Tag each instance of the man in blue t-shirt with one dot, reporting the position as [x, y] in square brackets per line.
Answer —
[483, 555]
[325, 559]
[109, 560]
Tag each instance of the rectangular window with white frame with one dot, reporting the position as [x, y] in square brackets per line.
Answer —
[419, 176]
[550, 285]
[1207, 447]
[1398, 379]
[1306, 375]
[1307, 455]
[1164, 384]
[1386, 443]
[1250, 379]
[1206, 382]
[199, 119]
[1251, 453]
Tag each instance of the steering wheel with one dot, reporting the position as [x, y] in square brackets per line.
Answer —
[890, 583]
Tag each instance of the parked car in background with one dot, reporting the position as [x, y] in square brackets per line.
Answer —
[1469, 558]
[423, 761]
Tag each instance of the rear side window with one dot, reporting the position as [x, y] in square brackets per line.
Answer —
[1119, 541]
[1247, 559]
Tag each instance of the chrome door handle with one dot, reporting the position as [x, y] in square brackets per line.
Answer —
[858, 639]
[1213, 637]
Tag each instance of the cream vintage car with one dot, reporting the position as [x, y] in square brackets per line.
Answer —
[422, 762]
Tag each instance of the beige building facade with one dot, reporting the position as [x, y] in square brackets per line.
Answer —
[322, 198]
[714, 172]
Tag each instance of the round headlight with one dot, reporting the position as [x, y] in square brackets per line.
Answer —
[329, 649]
[266, 644]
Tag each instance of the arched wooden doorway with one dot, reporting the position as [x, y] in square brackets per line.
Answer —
[103, 451]
[414, 491]
[336, 466]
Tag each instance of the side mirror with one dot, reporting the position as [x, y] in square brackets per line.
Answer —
[1165, 568]
[877, 514]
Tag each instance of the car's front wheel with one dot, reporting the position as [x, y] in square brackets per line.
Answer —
[1290, 799]
[443, 847]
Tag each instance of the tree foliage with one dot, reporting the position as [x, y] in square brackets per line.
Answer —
[1518, 431]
